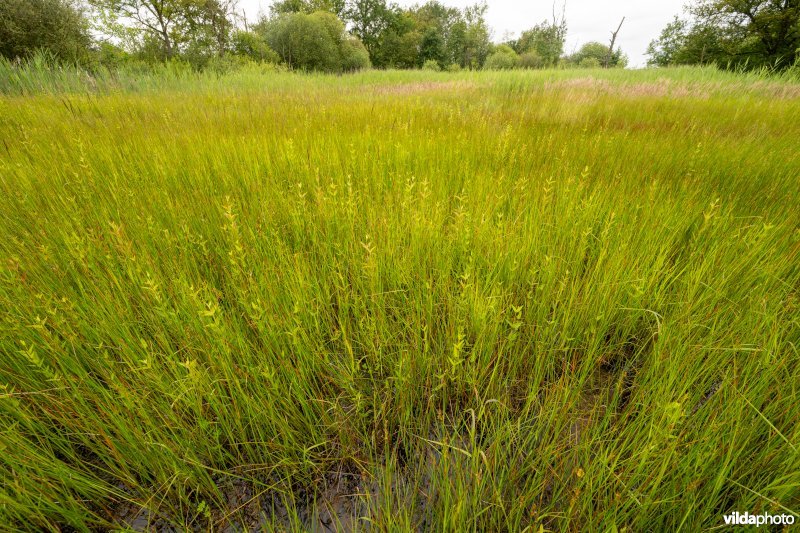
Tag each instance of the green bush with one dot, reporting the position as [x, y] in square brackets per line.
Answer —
[111, 56]
[503, 58]
[594, 54]
[302, 42]
[531, 60]
[431, 64]
[354, 55]
[590, 62]
[313, 42]
[253, 46]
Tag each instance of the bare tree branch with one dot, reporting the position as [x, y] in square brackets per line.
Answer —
[613, 41]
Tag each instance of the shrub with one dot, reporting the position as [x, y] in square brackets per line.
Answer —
[594, 54]
[589, 62]
[111, 56]
[354, 55]
[313, 42]
[531, 60]
[253, 46]
[431, 64]
[503, 58]
[302, 42]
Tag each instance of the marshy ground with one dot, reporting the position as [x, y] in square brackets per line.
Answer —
[393, 301]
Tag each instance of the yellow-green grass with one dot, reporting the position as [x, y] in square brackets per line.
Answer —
[477, 301]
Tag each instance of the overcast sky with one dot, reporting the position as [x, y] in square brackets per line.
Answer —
[587, 20]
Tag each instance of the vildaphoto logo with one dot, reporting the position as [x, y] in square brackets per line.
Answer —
[746, 519]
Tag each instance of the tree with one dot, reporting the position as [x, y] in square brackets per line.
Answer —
[663, 50]
[137, 21]
[58, 26]
[281, 7]
[475, 43]
[171, 27]
[607, 59]
[681, 43]
[313, 42]
[432, 48]
[368, 19]
[773, 25]
[397, 37]
[545, 39]
[750, 33]
[208, 26]
[400, 50]
[438, 25]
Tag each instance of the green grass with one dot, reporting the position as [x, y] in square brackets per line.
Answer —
[477, 301]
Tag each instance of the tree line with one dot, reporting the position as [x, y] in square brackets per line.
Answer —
[732, 33]
[323, 35]
[347, 35]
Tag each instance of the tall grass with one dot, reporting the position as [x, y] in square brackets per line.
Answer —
[43, 74]
[483, 301]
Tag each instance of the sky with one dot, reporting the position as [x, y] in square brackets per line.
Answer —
[587, 20]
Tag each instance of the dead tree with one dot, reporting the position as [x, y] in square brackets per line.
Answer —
[611, 46]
